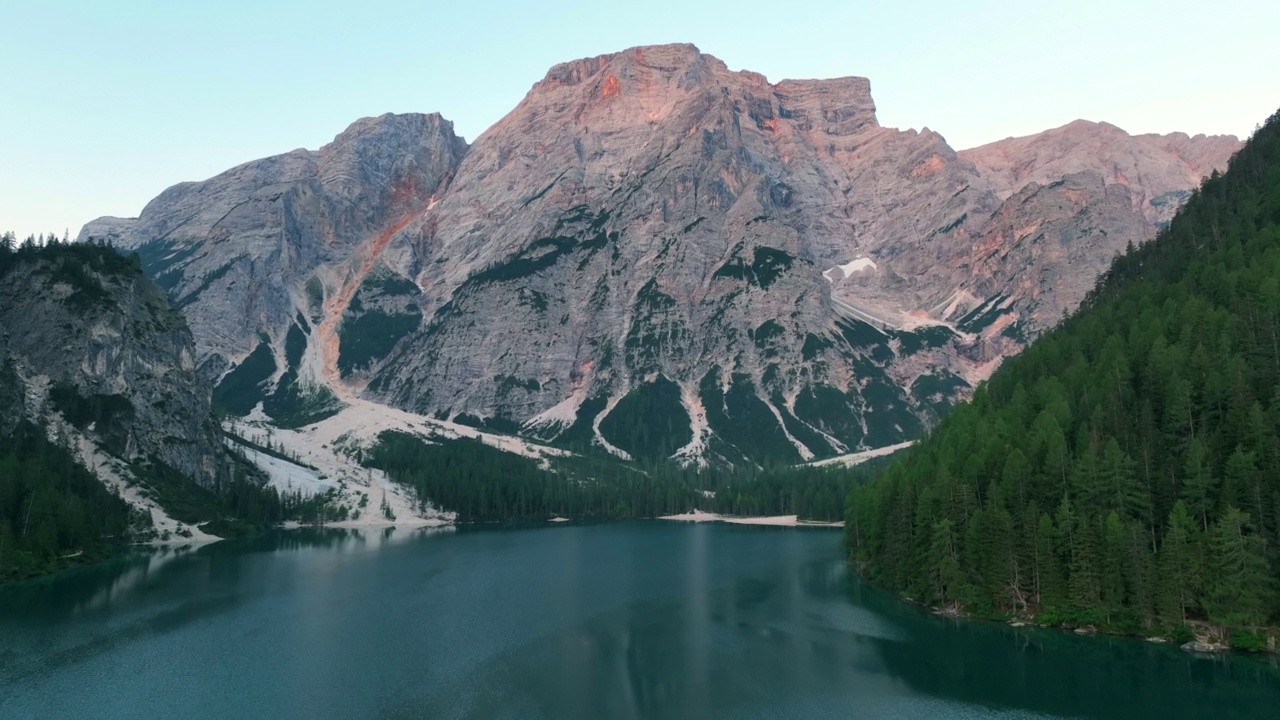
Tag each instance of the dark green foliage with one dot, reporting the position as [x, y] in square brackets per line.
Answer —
[860, 334]
[53, 512]
[82, 267]
[583, 234]
[981, 317]
[507, 383]
[809, 493]
[930, 337]
[267, 450]
[936, 391]
[292, 405]
[385, 282]
[110, 415]
[769, 337]
[159, 260]
[888, 415]
[580, 436]
[241, 388]
[767, 265]
[867, 338]
[500, 424]
[371, 336]
[649, 422]
[953, 224]
[497, 424]
[482, 483]
[315, 297]
[813, 346]
[741, 415]
[233, 508]
[801, 431]
[537, 256]
[655, 327]
[1124, 470]
[832, 412]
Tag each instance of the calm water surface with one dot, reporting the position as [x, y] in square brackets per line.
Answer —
[634, 620]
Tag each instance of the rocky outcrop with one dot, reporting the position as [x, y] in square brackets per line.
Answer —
[1159, 170]
[84, 334]
[242, 253]
[655, 255]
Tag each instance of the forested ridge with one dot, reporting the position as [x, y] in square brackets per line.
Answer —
[53, 512]
[1124, 470]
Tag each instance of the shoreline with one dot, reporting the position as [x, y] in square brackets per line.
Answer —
[698, 516]
[1199, 646]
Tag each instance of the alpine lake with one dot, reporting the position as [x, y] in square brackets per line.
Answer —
[645, 619]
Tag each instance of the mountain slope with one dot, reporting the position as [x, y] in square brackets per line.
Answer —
[1159, 169]
[651, 254]
[106, 434]
[93, 339]
[279, 246]
[1124, 470]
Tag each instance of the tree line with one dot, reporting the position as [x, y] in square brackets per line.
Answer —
[1124, 470]
[482, 483]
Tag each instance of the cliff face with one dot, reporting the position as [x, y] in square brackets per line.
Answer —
[244, 252]
[1159, 170]
[654, 254]
[85, 335]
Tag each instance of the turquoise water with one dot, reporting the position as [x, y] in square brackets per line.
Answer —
[628, 620]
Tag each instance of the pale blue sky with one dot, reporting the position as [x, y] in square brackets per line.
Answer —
[105, 103]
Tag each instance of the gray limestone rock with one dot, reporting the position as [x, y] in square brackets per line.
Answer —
[651, 240]
[114, 356]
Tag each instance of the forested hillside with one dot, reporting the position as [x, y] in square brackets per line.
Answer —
[482, 483]
[94, 319]
[1124, 471]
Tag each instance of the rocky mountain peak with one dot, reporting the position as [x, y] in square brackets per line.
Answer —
[389, 151]
[655, 255]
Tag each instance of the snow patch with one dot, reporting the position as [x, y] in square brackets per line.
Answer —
[853, 266]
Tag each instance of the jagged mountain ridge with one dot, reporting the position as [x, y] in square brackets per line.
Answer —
[650, 240]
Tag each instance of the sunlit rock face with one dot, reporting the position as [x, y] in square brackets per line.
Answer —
[657, 256]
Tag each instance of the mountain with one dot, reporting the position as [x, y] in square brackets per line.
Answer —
[1123, 472]
[651, 254]
[1160, 170]
[89, 337]
[106, 431]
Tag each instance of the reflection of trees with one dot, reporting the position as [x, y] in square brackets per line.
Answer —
[152, 591]
[1054, 672]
